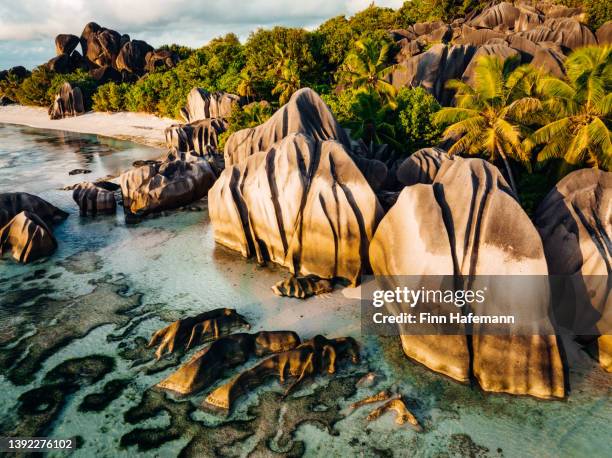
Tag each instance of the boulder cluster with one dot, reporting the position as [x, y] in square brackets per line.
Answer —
[25, 226]
[108, 55]
[430, 54]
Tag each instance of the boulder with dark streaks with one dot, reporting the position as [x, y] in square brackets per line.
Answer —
[575, 223]
[468, 223]
[68, 102]
[132, 56]
[202, 104]
[305, 113]
[94, 200]
[301, 203]
[12, 203]
[27, 237]
[201, 136]
[502, 14]
[422, 166]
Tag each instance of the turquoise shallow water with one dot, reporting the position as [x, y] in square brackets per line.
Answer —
[110, 285]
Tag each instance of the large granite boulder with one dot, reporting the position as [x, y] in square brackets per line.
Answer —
[422, 166]
[502, 14]
[301, 203]
[106, 74]
[60, 64]
[564, 31]
[94, 199]
[65, 43]
[465, 224]
[502, 51]
[421, 70]
[160, 59]
[202, 104]
[201, 137]
[100, 45]
[305, 113]
[575, 223]
[132, 56]
[165, 185]
[550, 60]
[13, 203]
[604, 34]
[27, 237]
[68, 102]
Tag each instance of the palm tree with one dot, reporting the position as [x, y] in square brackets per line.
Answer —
[288, 81]
[371, 124]
[246, 86]
[579, 110]
[367, 66]
[490, 116]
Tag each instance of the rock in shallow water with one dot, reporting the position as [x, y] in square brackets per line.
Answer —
[303, 204]
[27, 237]
[166, 185]
[12, 203]
[94, 200]
[467, 223]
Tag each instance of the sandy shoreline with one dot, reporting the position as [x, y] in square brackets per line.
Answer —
[137, 127]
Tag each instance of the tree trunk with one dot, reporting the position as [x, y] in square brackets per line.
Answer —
[508, 171]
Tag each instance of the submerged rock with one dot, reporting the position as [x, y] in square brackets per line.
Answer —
[94, 200]
[165, 185]
[206, 366]
[68, 102]
[302, 204]
[27, 237]
[468, 223]
[313, 357]
[402, 414]
[202, 104]
[575, 223]
[303, 287]
[305, 113]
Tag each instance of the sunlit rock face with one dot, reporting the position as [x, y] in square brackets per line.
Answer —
[575, 222]
[165, 185]
[201, 137]
[202, 104]
[27, 237]
[68, 102]
[422, 166]
[467, 223]
[305, 113]
[302, 203]
[94, 200]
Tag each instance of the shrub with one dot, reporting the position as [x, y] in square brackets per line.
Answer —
[110, 97]
[34, 90]
[414, 128]
[250, 115]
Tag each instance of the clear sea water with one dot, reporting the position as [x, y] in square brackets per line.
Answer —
[60, 308]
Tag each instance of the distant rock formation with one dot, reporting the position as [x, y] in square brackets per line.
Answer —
[132, 56]
[65, 44]
[68, 102]
[27, 237]
[93, 199]
[165, 185]
[202, 104]
[305, 113]
[201, 137]
[575, 222]
[467, 223]
[430, 54]
[301, 203]
[13, 203]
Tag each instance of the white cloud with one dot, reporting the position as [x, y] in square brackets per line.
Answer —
[32, 24]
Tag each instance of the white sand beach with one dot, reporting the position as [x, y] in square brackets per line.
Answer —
[138, 127]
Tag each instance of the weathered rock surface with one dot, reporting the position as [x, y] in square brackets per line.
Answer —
[302, 203]
[27, 237]
[65, 43]
[68, 102]
[166, 185]
[305, 113]
[502, 14]
[575, 222]
[13, 203]
[160, 59]
[106, 74]
[604, 34]
[94, 200]
[422, 166]
[132, 56]
[201, 137]
[468, 223]
[202, 104]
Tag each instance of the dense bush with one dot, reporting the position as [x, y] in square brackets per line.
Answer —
[110, 97]
[250, 115]
[415, 127]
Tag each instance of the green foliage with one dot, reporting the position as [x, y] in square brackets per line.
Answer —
[415, 127]
[183, 52]
[336, 37]
[34, 90]
[250, 115]
[80, 79]
[9, 87]
[598, 12]
[578, 112]
[110, 97]
[413, 11]
[341, 105]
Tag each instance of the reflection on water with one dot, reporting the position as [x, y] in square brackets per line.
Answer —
[73, 328]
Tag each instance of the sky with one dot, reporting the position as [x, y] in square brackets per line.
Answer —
[28, 27]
